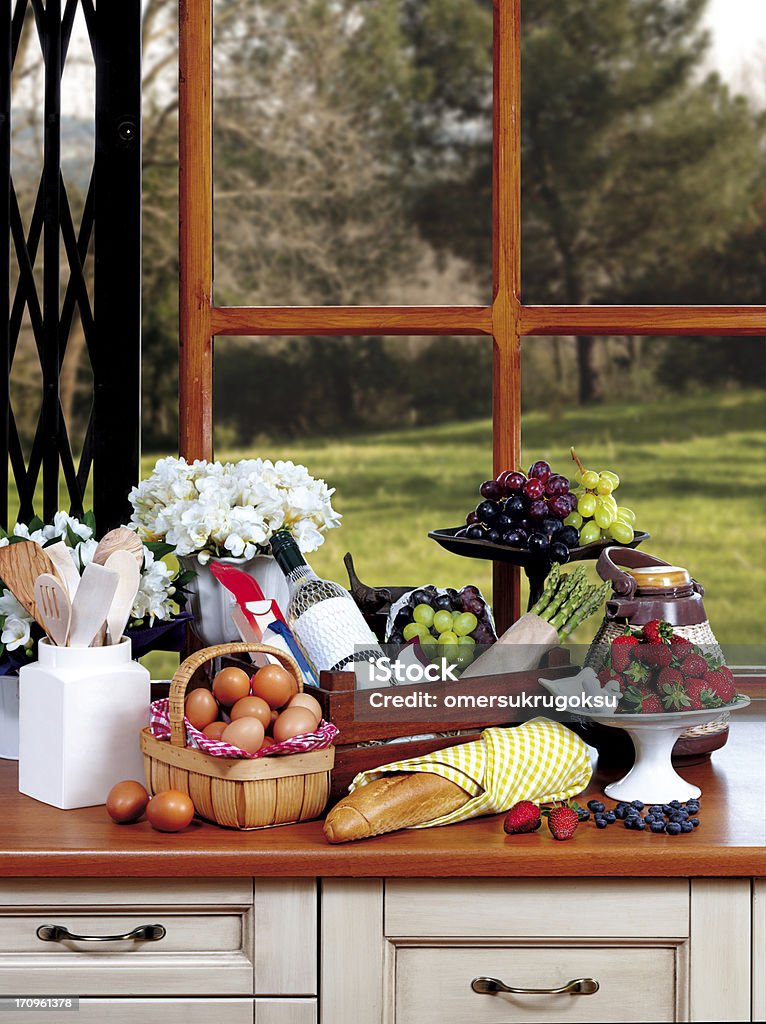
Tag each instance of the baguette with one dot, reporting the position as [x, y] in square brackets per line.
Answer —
[390, 803]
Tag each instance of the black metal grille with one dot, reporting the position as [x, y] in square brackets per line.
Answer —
[52, 290]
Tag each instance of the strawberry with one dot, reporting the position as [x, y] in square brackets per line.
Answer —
[562, 822]
[657, 631]
[658, 654]
[674, 698]
[721, 685]
[640, 701]
[694, 666]
[522, 817]
[669, 676]
[607, 675]
[681, 641]
[700, 694]
[621, 650]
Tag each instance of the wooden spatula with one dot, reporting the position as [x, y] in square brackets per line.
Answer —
[59, 554]
[20, 565]
[53, 603]
[121, 539]
[91, 603]
[124, 564]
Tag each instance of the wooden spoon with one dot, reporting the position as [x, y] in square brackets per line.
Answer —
[20, 565]
[59, 554]
[55, 607]
[124, 564]
[121, 539]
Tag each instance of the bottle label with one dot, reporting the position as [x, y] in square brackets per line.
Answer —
[330, 630]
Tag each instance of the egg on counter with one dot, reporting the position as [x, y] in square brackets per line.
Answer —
[230, 685]
[170, 811]
[201, 708]
[294, 721]
[252, 707]
[274, 684]
[305, 700]
[126, 801]
[246, 733]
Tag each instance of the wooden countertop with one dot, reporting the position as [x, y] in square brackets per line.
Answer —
[40, 841]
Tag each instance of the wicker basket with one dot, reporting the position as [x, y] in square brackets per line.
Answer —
[239, 793]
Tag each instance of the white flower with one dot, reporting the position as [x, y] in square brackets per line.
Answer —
[10, 607]
[83, 554]
[153, 600]
[15, 632]
[231, 508]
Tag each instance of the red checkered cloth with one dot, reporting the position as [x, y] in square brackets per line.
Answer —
[160, 726]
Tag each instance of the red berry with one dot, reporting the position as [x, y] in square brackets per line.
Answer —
[694, 666]
[657, 631]
[720, 685]
[621, 650]
[522, 817]
[562, 822]
[669, 677]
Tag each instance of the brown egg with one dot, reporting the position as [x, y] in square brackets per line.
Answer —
[214, 731]
[294, 722]
[245, 733]
[267, 742]
[231, 685]
[201, 708]
[170, 811]
[252, 707]
[126, 801]
[275, 684]
[305, 700]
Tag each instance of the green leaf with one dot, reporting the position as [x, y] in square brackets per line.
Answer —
[3, 533]
[35, 523]
[71, 537]
[159, 548]
[183, 579]
[89, 519]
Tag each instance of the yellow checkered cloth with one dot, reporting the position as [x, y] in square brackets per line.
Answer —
[540, 760]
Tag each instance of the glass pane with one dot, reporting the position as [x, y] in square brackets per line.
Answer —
[352, 152]
[399, 426]
[643, 135]
[683, 425]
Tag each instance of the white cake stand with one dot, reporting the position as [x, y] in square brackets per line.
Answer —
[653, 778]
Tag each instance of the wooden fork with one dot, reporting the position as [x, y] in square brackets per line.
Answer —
[54, 606]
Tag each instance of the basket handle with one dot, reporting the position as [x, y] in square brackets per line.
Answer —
[189, 666]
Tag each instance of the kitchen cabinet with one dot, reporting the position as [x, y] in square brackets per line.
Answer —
[658, 949]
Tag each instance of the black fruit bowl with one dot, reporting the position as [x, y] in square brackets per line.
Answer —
[536, 566]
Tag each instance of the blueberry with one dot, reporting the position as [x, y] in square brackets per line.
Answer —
[638, 804]
[631, 812]
[678, 816]
[692, 806]
[619, 812]
[610, 816]
[656, 809]
[673, 828]
[667, 809]
[686, 826]
[694, 822]
[639, 825]
[630, 822]
[596, 805]
[657, 825]
[675, 804]
[601, 823]
[582, 814]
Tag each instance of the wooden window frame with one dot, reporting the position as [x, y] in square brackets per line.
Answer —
[506, 320]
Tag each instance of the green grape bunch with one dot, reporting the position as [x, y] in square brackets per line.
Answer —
[598, 516]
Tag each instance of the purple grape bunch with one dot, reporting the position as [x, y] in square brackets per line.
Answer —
[527, 512]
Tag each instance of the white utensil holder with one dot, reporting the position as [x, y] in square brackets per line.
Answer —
[80, 714]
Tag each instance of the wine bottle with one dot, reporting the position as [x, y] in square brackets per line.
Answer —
[322, 614]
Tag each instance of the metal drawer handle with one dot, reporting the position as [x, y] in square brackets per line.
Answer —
[58, 933]
[578, 987]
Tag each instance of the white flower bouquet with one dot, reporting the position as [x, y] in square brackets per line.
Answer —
[160, 590]
[231, 509]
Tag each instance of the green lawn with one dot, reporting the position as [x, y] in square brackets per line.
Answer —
[693, 469]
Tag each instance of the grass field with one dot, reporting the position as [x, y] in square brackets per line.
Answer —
[693, 469]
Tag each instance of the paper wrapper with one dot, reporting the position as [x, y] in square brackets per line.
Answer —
[540, 760]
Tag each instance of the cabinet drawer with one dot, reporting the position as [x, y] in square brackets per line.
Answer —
[204, 950]
[529, 908]
[433, 985]
[143, 1011]
[285, 1011]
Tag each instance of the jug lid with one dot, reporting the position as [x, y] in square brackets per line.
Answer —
[659, 577]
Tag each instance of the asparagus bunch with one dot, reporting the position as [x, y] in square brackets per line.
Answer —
[568, 599]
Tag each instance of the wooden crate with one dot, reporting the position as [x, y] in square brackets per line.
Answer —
[353, 753]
